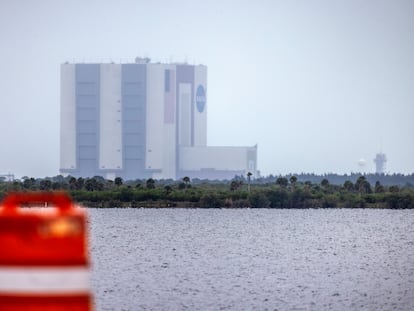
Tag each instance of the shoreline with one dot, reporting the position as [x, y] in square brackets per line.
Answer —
[190, 205]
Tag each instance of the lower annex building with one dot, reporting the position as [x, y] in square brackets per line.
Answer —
[142, 120]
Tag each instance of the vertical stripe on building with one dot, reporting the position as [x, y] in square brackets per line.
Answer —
[169, 97]
[133, 89]
[184, 74]
[87, 77]
[67, 118]
[110, 138]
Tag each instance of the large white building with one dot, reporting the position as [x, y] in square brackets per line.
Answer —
[141, 120]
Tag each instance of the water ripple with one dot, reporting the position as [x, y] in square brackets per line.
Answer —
[220, 259]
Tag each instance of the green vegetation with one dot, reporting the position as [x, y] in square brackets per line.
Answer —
[281, 192]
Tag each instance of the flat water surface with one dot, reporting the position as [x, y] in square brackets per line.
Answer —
[252, 259]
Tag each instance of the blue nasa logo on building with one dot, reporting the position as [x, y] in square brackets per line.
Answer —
[200, 98]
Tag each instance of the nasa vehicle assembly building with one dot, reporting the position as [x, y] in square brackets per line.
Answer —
[142, 120]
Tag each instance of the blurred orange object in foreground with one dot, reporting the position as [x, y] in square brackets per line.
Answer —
[44, 261]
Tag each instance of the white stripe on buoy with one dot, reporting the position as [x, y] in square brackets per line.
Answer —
[44, 280]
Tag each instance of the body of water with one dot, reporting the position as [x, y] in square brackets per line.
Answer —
[252, 259]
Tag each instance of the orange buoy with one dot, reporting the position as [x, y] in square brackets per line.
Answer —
[44, 262]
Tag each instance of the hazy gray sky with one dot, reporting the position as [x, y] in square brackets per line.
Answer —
[316, 84]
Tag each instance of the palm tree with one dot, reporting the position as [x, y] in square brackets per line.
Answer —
[235, 185]
[326, 186]
[118, 181]
[73, 183]
[80, 183]
[348, 185]
[90, 184]
[168, 189]
[186, 181]
[150, 183]
[248, 181]
[325, 183]
[293, 179]
[378, 187]
[45, 184]
[362, 185]
[282, 182]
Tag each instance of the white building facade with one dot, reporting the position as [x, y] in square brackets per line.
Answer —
[142, 120]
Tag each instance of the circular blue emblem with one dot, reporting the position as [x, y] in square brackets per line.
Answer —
[200, 98]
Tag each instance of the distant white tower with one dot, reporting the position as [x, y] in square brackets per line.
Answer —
[380, 160]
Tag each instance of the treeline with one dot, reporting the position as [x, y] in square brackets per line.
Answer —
[283, 192]
[335, 179]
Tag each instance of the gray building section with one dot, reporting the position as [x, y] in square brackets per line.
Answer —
[87, 78]
[185, 74]
[133, 89]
